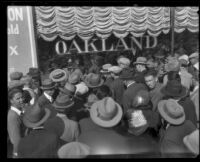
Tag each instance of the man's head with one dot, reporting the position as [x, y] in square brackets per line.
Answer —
[151, 78]
[15, 97]
[140, 67]
[194, 58]
[48, 86]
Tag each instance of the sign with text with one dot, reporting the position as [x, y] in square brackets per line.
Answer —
[21, 41]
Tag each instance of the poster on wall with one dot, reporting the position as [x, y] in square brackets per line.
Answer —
[21, 41]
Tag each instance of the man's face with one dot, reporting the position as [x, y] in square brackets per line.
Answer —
[140, 67]
[17, 100]
[151, 81]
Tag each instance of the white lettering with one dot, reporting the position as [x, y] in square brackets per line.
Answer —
[122, 45]
[15, 14]
[139, 44]
[76, 47]
[63, 47]
[13, 50]
[13, 29]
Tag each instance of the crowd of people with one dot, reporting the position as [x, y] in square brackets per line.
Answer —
[149, 106]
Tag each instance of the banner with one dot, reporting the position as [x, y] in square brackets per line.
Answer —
[21, 40]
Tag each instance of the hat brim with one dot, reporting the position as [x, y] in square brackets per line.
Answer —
[45, 88]
[103, 123]
[62, 107]
[188, 144]
[168, 118]
[29, 124]
[139, 63]
[182, 94]
[92, 86]
[139, 130]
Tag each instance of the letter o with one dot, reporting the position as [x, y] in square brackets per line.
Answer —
[63, 46]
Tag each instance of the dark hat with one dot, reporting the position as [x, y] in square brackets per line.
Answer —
[142, 98]
[127, 74]
[35, 116]
[16, 75]
[69, 89]
[63, 102]
[34, 72]
[93, 80]
[174, 88]
[48, 84]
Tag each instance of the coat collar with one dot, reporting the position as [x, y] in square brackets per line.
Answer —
[16, 110]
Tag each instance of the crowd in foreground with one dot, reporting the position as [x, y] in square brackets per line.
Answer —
[148, 107]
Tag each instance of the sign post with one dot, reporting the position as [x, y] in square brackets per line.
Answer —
[21, 40]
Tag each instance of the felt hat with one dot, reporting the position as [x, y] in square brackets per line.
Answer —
[47, 84]
[63, 102]
[81, 88]
[106, 112]
[140, 60]
[68, 89]
[93, 80]
[105, 68]
[184, 59]
[174, 88]
[15, 84]
[74, 78]
[92, 98]
[16, 75]
[123, 60]
[35, 116]
[127, 74]
[34, 72]
[171, 111]
[58, 75]
[142, 98]
[191, 141]
[137, 123]
[194, 55]
[74, 150]
[115, 69]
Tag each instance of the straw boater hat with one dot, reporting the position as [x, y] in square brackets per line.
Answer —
[47, 84]
[93, 80]
[63, 102]
[35, 116]
[171, 111]
[115, 69]
[73, 150]
[106, 112]
[58, 75]
[16, 75]
[141, 60]
[175, 89]
[191, 141]
[105, 68]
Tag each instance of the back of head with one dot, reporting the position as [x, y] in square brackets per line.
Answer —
[103, 91]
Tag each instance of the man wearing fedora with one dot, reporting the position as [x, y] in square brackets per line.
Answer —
[117, 87]
[15, 125]
[176, 127]
[100, 133]
[123, 62]
[107, 75]
[175, 90]
[39, 143]
[61, 125]
[46, 99]
[132, 87]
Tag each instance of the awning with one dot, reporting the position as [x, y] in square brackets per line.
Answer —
[67, 22]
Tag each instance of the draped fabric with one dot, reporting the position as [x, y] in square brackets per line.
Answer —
[68, 22]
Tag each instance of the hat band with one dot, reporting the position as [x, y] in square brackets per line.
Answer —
[174, 116]
[48, 86]
[58, 76]
[109, 116]
[63, 104]
[35, 118]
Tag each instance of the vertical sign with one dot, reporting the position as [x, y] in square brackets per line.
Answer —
[21, 40]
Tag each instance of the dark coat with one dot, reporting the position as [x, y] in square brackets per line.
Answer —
[171, 143]
[108, 141]
[117, 89]
[189, 108]
[39, 144]
[130, 94]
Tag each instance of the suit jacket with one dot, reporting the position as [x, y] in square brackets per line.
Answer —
[45, 103]
[39, 143]
[130, 93]
[108, 141]
[171, 143]
[117, 89]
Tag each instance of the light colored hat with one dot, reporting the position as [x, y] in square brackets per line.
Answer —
[74, 150]
[123, 60]
[115, 69]
[15, 84]
[106, 112]
[16, 75]
[68, 89]
[74, 78]
[184, 57]
[140, 60]
[195, 54]
[171, 111]
[192, 141]
[58, 75]
[81, 88]
[93, 80]
[105, 68]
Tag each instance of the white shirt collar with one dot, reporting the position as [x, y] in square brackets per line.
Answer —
[130, 84]
[48, 97]
[196, 65]
[16, 110]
